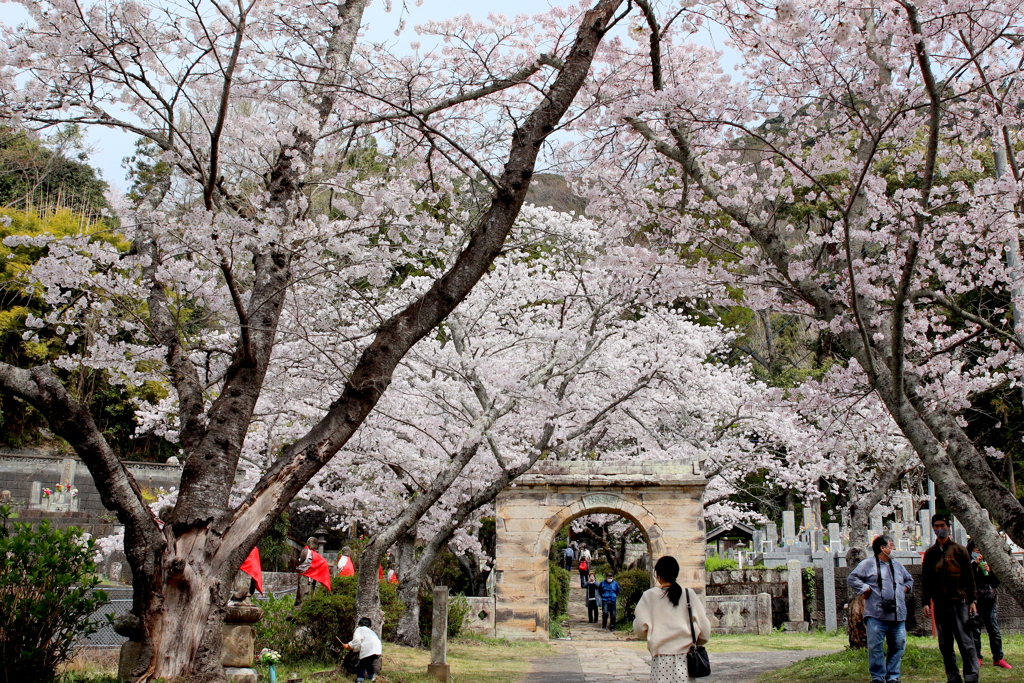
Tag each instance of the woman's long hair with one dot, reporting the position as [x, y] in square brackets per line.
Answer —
[667, 569]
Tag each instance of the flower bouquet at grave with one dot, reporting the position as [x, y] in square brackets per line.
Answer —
[270, 658]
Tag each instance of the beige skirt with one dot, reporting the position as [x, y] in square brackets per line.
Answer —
[669, 669]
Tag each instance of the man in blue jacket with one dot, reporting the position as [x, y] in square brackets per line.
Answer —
[609, 596]
[884, 583]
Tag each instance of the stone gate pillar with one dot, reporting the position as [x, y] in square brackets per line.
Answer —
[662, 498]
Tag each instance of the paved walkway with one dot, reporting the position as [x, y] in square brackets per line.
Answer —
[592, 655]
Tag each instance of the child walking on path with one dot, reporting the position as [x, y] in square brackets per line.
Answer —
[593, 591]
[368, 645]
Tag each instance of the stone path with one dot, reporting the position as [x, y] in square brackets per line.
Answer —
[595, 656]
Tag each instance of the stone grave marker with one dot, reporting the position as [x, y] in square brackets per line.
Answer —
[438, 667]
[926, 528]
[788, 528]
[835, 538]
[796, 597]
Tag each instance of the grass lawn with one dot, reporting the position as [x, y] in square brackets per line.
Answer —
[472, 660]
[779, 640]
[921, 663]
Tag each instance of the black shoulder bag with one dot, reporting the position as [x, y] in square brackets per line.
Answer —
[698, 664]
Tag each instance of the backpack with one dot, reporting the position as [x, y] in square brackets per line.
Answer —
[583, 565]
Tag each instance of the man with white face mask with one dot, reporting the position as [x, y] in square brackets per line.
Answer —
[949, 590]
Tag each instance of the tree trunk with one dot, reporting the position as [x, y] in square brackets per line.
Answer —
[182, 610]
[368, 586]
[409, 581]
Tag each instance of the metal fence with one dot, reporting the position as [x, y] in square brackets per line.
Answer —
[119, 602]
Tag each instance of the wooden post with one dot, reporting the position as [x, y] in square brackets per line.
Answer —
[438, 667]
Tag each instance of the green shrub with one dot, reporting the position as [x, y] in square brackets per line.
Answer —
[276, 630]
[458, 608]
[47, 577]
[313, 631]
[716, 563]
[633, 583]
[558, 590]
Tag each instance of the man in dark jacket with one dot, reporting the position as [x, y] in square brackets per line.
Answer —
[609, 596]
[948, 583]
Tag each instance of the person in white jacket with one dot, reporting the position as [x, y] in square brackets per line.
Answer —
[368, 645]
[662, 617]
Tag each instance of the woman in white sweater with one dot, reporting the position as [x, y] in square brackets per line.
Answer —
[662, 617]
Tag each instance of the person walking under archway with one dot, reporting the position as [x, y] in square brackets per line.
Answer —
[884, 583]
[664, 616]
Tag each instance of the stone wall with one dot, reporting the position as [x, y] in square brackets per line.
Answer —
[24, 473]
[480, 616]
[740, 613]
[749, 582]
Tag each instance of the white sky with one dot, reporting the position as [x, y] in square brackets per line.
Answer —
[109, 146]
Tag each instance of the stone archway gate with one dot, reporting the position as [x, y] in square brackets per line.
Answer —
[662, 498]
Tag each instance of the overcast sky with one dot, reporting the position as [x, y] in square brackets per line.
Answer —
[109, 147]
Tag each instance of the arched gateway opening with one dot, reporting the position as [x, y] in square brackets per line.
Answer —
[662, 498]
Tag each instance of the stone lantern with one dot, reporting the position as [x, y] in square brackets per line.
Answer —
[239, 637]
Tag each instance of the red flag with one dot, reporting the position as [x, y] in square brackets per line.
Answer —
[319, 570]
[253, 568]
[345, 567]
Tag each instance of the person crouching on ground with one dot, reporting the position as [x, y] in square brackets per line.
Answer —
[663, 616]
[884, 582]
[609, 596]
[367, 644]
[593, 591]
[987, 584]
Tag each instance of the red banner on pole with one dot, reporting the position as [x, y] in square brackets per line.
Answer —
[318, 570]
[253, 568]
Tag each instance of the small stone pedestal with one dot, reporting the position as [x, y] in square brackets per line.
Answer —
[130, 627]
[239, 641]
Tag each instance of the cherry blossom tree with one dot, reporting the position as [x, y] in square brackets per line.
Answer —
[862, 172]
[257, 110]
[557, 354]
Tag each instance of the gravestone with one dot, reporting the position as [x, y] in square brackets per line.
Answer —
[926, 528]
[788, 528]
[835, 537]
[908, 507]
[757, 541]
[808, 519]
[438, 667]
[959, 532]
[771, 531]
[817, 540]
[876, 524]
[828, 577]
[796, 597]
